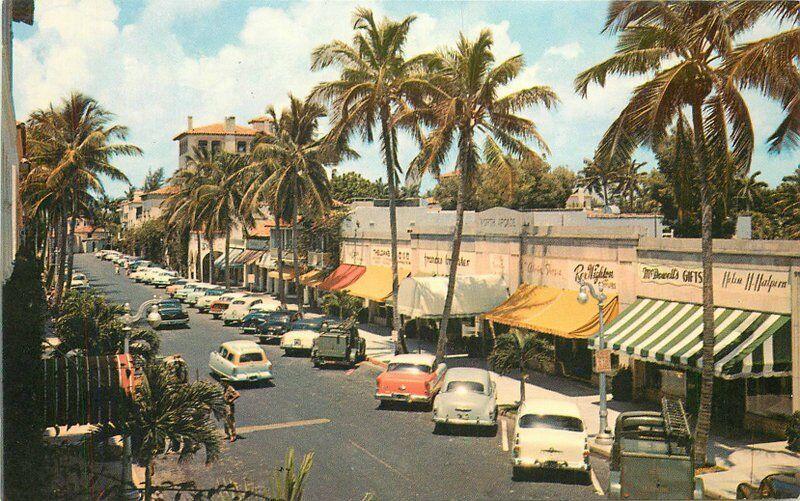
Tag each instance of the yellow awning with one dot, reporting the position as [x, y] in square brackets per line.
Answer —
[288, 273]
[376, 283]
[553, 311]
[312, 278]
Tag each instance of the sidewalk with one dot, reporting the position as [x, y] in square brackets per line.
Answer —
[742, 461]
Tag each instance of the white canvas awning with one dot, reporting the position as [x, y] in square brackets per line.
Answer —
[423, 297]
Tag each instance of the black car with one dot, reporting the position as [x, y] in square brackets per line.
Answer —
[275, 325]
[775, 486]
[172, 313]
[251, 321]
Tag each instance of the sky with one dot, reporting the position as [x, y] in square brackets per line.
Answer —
[154, 62]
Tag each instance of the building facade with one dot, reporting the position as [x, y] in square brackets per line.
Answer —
[226, 136]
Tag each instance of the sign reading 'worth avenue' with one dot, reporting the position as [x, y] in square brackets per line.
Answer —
[763, 290]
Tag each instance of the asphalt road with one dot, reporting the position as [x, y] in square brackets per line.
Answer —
[358, 448]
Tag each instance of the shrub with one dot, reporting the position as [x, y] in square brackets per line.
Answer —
[622, 384]
[793, 432]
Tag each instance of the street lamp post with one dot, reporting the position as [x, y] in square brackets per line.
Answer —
[154, 319]
[604, 436]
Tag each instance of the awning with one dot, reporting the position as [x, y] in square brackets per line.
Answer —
[376, 283]
[232, 254]
[267, 261]
[747, 343]
[313, 278]
[423, 297]
[553, 311]
[341, 277]
[247, 257]
[288, 273]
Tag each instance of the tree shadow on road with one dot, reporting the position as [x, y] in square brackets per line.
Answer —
[553, 476]
[464, 430]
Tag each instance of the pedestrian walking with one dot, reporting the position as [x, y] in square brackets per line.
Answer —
[230, 396]
[116, 269]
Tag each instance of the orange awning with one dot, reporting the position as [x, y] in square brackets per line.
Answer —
[341, 277]
[313, 278]
[375, 283]
[553, 311]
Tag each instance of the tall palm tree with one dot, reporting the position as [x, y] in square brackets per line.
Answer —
[464, 107]
[297, 158]
[200, 167]
[683, 45]
[76, 142]
[750, 189]
[631, 179]
[165, 411]
[602, 178]
[376, 81]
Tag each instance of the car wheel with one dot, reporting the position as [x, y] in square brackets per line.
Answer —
[516, 473]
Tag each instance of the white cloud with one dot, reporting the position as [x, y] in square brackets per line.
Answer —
[567, 51]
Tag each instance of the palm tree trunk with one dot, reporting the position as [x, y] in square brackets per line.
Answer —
[281, 291]
[62, 255]
[71, 255]
[51, 235]
[463, 160]
[707, 376]
[148, 481]
[211, 258]
[388, 148]
[199, 263]
[521, 376]
[295, 256]
[227, 258]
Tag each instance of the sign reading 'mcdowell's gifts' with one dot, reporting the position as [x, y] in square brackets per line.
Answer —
[749, 289]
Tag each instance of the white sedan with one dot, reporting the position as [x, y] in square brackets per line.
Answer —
[79, 280]
[302, 334]
[550, 434]
[239, 308]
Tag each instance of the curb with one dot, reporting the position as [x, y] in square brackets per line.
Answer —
[375, 361]
[600, 451]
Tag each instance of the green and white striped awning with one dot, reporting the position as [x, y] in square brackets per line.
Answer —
[747, 343]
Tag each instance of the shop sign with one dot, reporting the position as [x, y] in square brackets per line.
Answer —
[755, 281]
[382, 256]
[602, 361]
[438, 261]
[566, 273]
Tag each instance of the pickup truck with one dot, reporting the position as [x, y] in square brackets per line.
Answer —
[651, 457]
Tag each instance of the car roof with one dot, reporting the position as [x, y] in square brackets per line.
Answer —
[467, 374]
[550, 406]
[242, 346]
[413, 358]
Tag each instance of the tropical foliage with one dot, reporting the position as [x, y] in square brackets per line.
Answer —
[341, 304]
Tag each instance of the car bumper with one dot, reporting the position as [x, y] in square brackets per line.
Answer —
[243, 378]
[296, 347]
[464, 422]
[174, 321]
[549, 464]
[403, 397]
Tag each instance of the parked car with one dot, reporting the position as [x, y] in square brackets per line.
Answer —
[410, 378]
[269, 304]
[549, 434]
[302, 334]
[205, 301]
[152, 273]
[137, 265]
[339, 345]
[176, 285]
[79, 280]
[109, 254]
[202, 290]
[172, 313]
[775, 486]
[239, 308]
[240, 361]
[651, 456]
[100, 254]
[468, 397]
[252, 320]
[162, 280]
[141, 273]
[276, 325]
[217, 305]
[184, 292]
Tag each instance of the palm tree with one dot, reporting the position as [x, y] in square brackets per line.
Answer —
[750, 189]
[376, 81]
[682, 44]
[770, 65]
[204, 170]
[183, 206]
[464, 105]
[512, 352]
[630, 182]
[602, 178]
[165, 411]
[297, 159]
[76, 142]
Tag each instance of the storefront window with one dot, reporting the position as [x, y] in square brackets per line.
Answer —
[769, 396]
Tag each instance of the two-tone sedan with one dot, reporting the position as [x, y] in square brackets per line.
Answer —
[172, 313]
[239, 308]
[468, 397]
[240, 361]
[301, 335]
[410, 378]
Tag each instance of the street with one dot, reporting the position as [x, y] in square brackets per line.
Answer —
[358, 448]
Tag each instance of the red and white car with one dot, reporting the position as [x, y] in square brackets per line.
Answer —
[410, 378]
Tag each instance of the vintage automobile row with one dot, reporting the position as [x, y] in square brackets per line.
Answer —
[547, 434]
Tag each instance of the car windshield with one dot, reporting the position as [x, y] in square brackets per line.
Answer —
[407, 367]
[551, 422]
[305, 325]
[280, 319]
[239, 301]
[464, 387]
[170, 304]
[251, 357]
[214, 292]
[78, 276]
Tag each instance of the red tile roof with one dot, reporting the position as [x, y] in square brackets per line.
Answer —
[217, 130]
[257, 120]
[169, 189]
